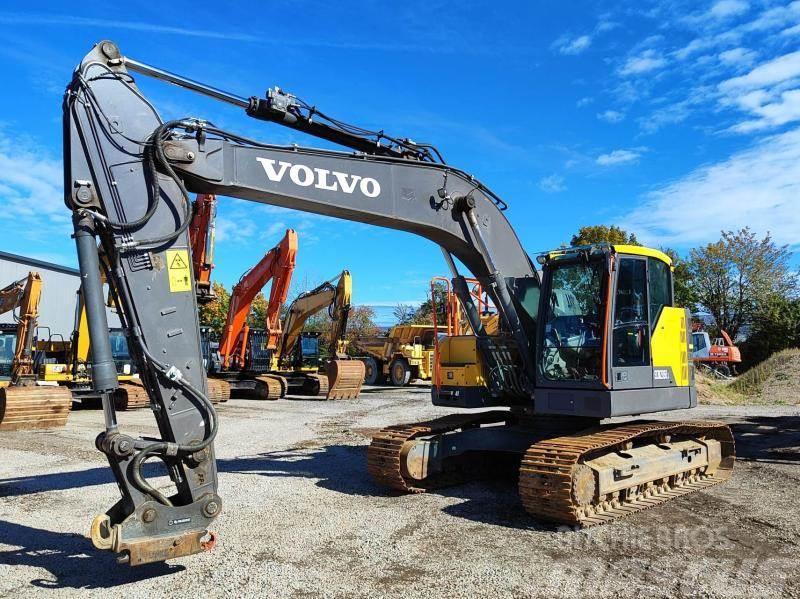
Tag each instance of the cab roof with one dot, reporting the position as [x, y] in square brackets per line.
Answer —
[635, 250]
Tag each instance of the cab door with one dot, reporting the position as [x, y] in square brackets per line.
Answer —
[631, 366]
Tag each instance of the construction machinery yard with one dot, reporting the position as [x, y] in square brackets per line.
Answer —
[302, 519]
[562, 430]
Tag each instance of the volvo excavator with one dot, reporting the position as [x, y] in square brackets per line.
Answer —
[596, 336]
[299, 353]
[24, 403]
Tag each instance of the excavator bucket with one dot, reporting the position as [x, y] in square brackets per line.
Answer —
[32, 407]
[345, 378]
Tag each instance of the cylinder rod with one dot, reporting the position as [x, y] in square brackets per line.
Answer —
[104, 370]
[202, 88]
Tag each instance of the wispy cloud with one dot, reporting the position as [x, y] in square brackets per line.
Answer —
[758, 187]
[572, 45]
[770, 93]
[11, 18]
[611, 116]
[31, 185]
[552, 184]
[585, 101]
[647, 61]
[618, 157]
[723, 9]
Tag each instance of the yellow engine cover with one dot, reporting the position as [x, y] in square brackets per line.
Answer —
[670, 344]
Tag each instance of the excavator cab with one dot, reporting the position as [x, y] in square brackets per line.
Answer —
[8, 345]
[307, 351]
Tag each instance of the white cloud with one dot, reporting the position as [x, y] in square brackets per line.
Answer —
[769, 73]
[791, 30]
[738, 57]
[645, 62]
[778, 16]
[618, 157]
[552, 184]
[786, 109]
[584, 102]
[610, 116]
[568, 45]
[769, 93]
[758, 187]
[728, 8]
[32, 190]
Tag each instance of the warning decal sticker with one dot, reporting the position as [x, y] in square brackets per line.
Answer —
[178, 267]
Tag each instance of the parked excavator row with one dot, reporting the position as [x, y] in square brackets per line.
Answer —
[597, 335]
[281, 359]
[25, 403]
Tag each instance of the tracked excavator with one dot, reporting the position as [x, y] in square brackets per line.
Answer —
[596, 336]
[24, 402]
[247, 356]
[299, 353]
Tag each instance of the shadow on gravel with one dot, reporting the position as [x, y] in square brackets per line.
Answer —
[71, 559]
[59, 481]
[768, 439]
[340, 468]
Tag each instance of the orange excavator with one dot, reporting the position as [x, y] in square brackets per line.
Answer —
[23, 403]
[248, 357]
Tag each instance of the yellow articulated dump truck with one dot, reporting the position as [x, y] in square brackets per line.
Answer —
[406, 354]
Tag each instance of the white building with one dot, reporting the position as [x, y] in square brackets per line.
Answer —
[59, 294]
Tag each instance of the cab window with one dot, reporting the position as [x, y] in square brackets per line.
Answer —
[572, 344]
[660, 288]
[631, 336]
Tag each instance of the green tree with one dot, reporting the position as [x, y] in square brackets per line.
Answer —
[424, 314]
[257, 319]
[685, 296]
[774, 327]
[736, 277]
[215, 313]
[603, 234]
[404, 313]
[360, 323]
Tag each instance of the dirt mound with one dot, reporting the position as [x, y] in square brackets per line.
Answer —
[775, 380]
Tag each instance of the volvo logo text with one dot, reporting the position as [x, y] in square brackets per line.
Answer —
[321, 178]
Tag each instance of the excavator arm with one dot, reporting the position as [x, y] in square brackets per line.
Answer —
[128, 176]
[201, 234]
[276, 265]
[25, 295]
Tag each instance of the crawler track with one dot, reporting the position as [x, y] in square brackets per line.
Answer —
[219, 391]
[270, 387]
[550, 471]
[131, 395]
[384, 456]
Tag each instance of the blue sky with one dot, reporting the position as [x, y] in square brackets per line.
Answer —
[673, 119]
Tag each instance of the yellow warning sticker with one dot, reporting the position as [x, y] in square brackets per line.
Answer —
[178, 267]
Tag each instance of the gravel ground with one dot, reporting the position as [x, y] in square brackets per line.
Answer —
[302, 517]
